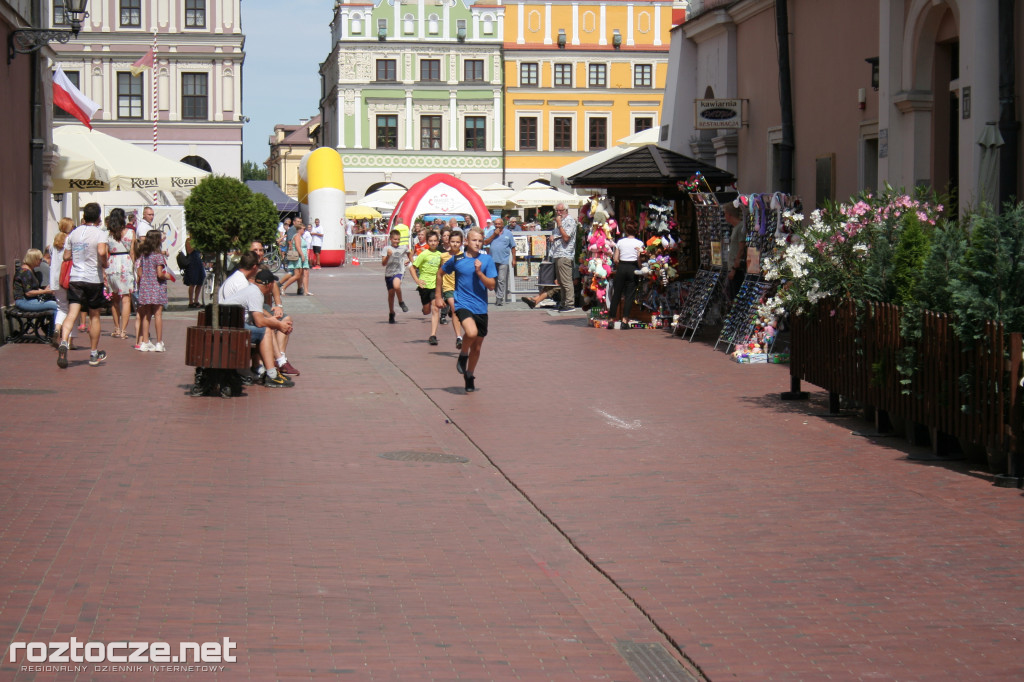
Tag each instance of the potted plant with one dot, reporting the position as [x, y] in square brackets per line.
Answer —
[223, 215]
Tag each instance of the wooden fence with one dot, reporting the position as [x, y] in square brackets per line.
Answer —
[969, 393]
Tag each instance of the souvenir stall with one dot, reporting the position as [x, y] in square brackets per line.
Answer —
[745, 332]
[643, 185]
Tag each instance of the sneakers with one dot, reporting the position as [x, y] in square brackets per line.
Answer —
[158, 347]
[470, 382]
[391, 318]
[566, 309]
[529, 301]
[460, 364]
[288, 369]
[403, 306]
[62, 355]
[432, 340]
[96, 360]
[280, 381]
[145, 347]
[458, 342]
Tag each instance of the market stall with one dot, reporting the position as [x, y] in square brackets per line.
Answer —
[646, 185]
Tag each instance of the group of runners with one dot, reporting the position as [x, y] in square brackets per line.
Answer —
[452, 276]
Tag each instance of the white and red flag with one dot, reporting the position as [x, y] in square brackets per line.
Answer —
[70, 99]
[145, 62]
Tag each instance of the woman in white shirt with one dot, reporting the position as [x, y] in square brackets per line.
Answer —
[627, 260]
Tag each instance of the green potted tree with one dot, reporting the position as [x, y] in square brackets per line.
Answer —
[223, 215]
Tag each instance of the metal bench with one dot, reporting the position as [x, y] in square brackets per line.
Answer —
[28, 327]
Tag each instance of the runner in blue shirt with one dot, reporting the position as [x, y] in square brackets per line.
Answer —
[474, 276]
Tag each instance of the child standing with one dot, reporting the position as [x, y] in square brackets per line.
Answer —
[395, 258]
[447, 285]
[424, 272]
[152, 279]
[475, 275]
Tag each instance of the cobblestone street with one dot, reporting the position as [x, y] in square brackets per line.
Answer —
[607, 500]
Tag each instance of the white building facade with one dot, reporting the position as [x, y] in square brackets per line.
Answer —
[194, 86]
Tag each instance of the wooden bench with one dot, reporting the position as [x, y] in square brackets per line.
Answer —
[218, 354]
[28, 327]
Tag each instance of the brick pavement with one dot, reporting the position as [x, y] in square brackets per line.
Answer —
[618, 486]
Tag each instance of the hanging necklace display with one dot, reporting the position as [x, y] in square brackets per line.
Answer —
[705, 286]
[743, 317]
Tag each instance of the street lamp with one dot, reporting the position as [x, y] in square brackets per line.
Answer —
[27, 40]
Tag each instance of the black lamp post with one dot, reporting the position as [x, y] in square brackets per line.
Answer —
[26, 40]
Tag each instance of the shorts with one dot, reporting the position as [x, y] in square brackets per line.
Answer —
[448, 295]
[256, 334]
[87, 294]
[316, 250]
[481, 320]
[389, 280]
[426, 296]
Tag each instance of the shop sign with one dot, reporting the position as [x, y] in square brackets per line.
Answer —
[712, 114]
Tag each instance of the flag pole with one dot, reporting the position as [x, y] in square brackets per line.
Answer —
[156, 111]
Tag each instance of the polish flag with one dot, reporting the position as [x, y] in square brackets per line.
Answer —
[70, 99]
[145, 62]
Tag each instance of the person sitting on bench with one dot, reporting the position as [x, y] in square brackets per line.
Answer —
[29, 296]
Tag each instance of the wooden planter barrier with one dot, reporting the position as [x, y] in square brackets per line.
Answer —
[217, 348]
[969, 393]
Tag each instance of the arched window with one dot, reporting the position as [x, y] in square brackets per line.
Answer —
[198, 162]
[356, 26]
[409, 24]
[488, 24]
[433, 24]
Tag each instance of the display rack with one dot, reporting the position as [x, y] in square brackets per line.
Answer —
[703, 290]
[742, 318]
[528, 259]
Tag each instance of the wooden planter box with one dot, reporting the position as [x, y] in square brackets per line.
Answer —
[971, 393]
[217, 348]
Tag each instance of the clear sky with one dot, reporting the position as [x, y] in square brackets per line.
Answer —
[284, 45]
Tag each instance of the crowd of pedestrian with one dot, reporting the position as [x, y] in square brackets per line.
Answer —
[103, 263]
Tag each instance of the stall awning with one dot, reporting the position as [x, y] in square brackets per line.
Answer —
[649, 165]
[269, 188]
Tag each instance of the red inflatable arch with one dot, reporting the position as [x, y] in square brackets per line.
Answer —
[440, 193]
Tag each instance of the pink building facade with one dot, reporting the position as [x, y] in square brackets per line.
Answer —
[916, 120]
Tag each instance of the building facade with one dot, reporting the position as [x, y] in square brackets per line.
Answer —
[579, 76]
[413, 88]
[288, 145]
[21, 79]
[890, 91]
[194, 85]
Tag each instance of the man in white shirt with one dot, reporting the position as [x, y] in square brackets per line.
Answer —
[86, 248]
[257, 320]
[146, 224]
[317, 242]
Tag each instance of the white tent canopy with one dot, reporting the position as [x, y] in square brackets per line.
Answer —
[495, 195]
[537, 194]
[386, 196]
[92, 161]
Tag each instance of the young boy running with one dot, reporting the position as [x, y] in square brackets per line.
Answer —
[475, 275]
[424, 272]
[394, 259]
[447, 285]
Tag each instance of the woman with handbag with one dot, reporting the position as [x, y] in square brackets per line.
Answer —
[293, 258]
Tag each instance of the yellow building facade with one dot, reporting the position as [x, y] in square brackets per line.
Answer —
[579, 76]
